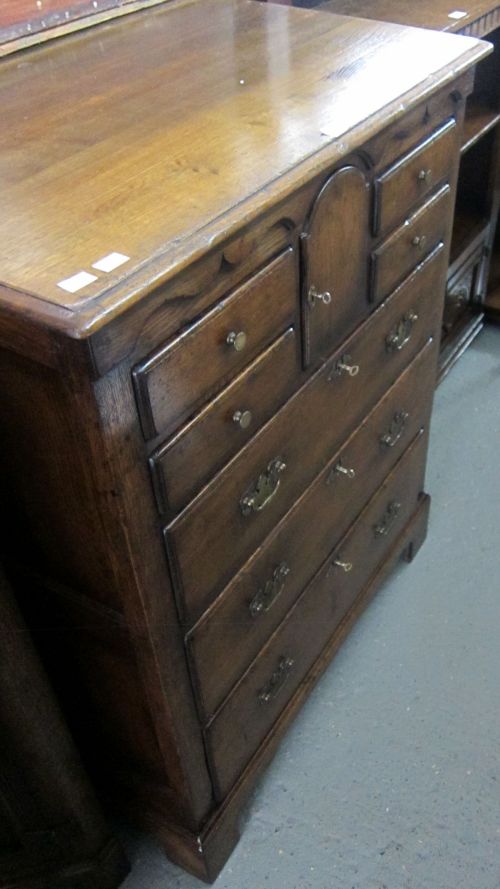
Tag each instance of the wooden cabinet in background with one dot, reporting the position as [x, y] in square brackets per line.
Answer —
[219, 331]
[52, 833]
[475, 247]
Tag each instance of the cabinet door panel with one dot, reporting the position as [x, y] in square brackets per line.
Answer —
[334, 252]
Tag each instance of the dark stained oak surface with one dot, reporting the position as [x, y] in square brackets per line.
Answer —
[158, 135]
[436, 14]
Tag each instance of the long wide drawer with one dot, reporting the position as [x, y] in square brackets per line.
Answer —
[213, 537]
[393, 259]
[180, 376]
[241, 725]
[230, 634]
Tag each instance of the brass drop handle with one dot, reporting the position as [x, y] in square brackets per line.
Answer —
[425, 176]
[419, 241]
[242, 419]
[272, 589]
[238, 340]
[344, 366]
[340, 469]
[277, 680]
[396, 429]
[398, 338]
[313, 297]
[264, 489]
[345, 566]
[382, 528]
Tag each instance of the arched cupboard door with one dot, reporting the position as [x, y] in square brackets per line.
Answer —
[334, 247]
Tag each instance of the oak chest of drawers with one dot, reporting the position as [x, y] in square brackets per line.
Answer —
[219, 328]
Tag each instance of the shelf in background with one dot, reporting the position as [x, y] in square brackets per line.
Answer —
[470, 227]
[492, 305]
[454, 344]
[479, 120]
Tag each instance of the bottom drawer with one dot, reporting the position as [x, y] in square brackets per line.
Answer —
[240, 726]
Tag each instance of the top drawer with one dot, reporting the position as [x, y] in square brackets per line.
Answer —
[183, 374]
[413, 177]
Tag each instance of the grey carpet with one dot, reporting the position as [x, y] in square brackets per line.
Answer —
[389, 777]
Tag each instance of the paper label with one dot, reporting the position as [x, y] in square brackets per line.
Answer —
[110, 262]
[76, 282]
[457, 14]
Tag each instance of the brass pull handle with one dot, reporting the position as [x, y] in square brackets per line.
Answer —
[237, 340]
[344, 366]
[265, 488]
[340, 469]
[399, 337]
[272, 589]
[396, 429]
[277, 680]
[242, 419]
[313, 297]
[424, 176]
[382, 528]
[345, 566]
[419, 241]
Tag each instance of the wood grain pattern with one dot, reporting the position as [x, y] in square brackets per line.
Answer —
[240, 726]
[229, 635]
[185, 177]
[424, 14]
[214, 526]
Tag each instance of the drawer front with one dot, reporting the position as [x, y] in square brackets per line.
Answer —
[409, 244]
[413, 177]
[242, 724]
[215, 535]
[187, 462]
[177, 379]
[232, 632]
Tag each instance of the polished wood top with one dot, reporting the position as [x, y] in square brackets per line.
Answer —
[443, 15]
[157, 135]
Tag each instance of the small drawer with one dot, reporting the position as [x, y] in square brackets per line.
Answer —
[213, 537]
[411, 242]
[413, 177]
[241, 725]
[188, 461]
[231, 633]
[178, 378]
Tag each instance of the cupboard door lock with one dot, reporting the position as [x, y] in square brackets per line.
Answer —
[313, 297]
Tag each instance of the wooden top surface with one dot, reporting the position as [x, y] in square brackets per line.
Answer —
[156, 135]
[443, 15]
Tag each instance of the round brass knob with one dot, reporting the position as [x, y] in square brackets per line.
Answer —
[425, 175]
[242, 419]
[237, 340]
[419, 241]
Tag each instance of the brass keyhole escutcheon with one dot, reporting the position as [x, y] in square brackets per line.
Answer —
[313, 297]
[346, 567]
